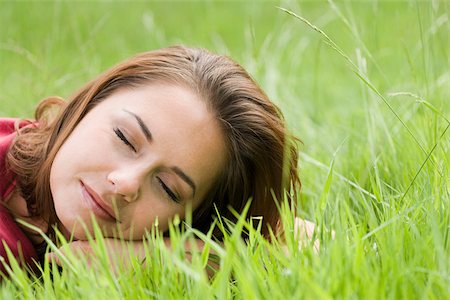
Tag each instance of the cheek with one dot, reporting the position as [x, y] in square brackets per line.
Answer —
[57, 170]
[83, 155]
[64, 166]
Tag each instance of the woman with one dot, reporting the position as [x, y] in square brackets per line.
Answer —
[165, 130]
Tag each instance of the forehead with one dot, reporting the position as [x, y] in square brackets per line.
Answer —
[185, 133]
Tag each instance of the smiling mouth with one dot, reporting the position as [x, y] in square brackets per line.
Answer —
[96, 204]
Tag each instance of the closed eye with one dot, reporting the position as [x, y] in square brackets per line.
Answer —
[168, 191]
[123, 138]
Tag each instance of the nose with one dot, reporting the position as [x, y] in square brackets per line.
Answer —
[127, 183]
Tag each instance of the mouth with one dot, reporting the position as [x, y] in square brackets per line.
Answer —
[97, 205]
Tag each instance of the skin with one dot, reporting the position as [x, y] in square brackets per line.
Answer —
[111, 161]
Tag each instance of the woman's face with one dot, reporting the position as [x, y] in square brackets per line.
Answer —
[141, 154]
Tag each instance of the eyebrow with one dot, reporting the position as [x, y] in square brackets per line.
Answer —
[186, 178]
[149, 137]
[142, 125]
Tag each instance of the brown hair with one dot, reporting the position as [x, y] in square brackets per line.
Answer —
[262, 157]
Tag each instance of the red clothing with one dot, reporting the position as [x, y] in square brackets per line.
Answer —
[10, 233]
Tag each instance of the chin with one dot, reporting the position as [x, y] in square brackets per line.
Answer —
[75, 229]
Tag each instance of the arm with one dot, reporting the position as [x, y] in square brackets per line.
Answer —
[119, 252]
[304, 233]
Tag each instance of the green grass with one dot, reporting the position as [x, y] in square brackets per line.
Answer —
[367, 92]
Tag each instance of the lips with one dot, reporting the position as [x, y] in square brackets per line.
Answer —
[98, 206]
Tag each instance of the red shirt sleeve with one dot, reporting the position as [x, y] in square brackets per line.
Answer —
[19, 244]
[10, 233]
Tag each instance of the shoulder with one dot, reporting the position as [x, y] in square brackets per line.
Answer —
[10, 233]
[7, 124]
[7, 134]
[6, 130]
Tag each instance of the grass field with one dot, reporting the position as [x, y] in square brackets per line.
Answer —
[368, 93]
